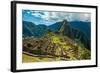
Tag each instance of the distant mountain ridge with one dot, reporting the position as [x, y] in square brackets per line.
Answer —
[30, 29]
[75, 30]
[84, 27]
[78, 25]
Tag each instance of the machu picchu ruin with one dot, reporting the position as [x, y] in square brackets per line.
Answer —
[63, 45]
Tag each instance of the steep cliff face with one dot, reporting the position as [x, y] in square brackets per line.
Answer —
[76, 34]
[65, 29]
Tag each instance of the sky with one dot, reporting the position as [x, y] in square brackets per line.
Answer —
[50, 17]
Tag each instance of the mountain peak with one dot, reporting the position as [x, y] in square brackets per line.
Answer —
[65, 21]
[63, 26]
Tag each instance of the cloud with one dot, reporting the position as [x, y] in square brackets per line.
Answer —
[80, 17]
[59, 16]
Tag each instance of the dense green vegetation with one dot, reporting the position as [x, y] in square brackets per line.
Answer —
[56, 46]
